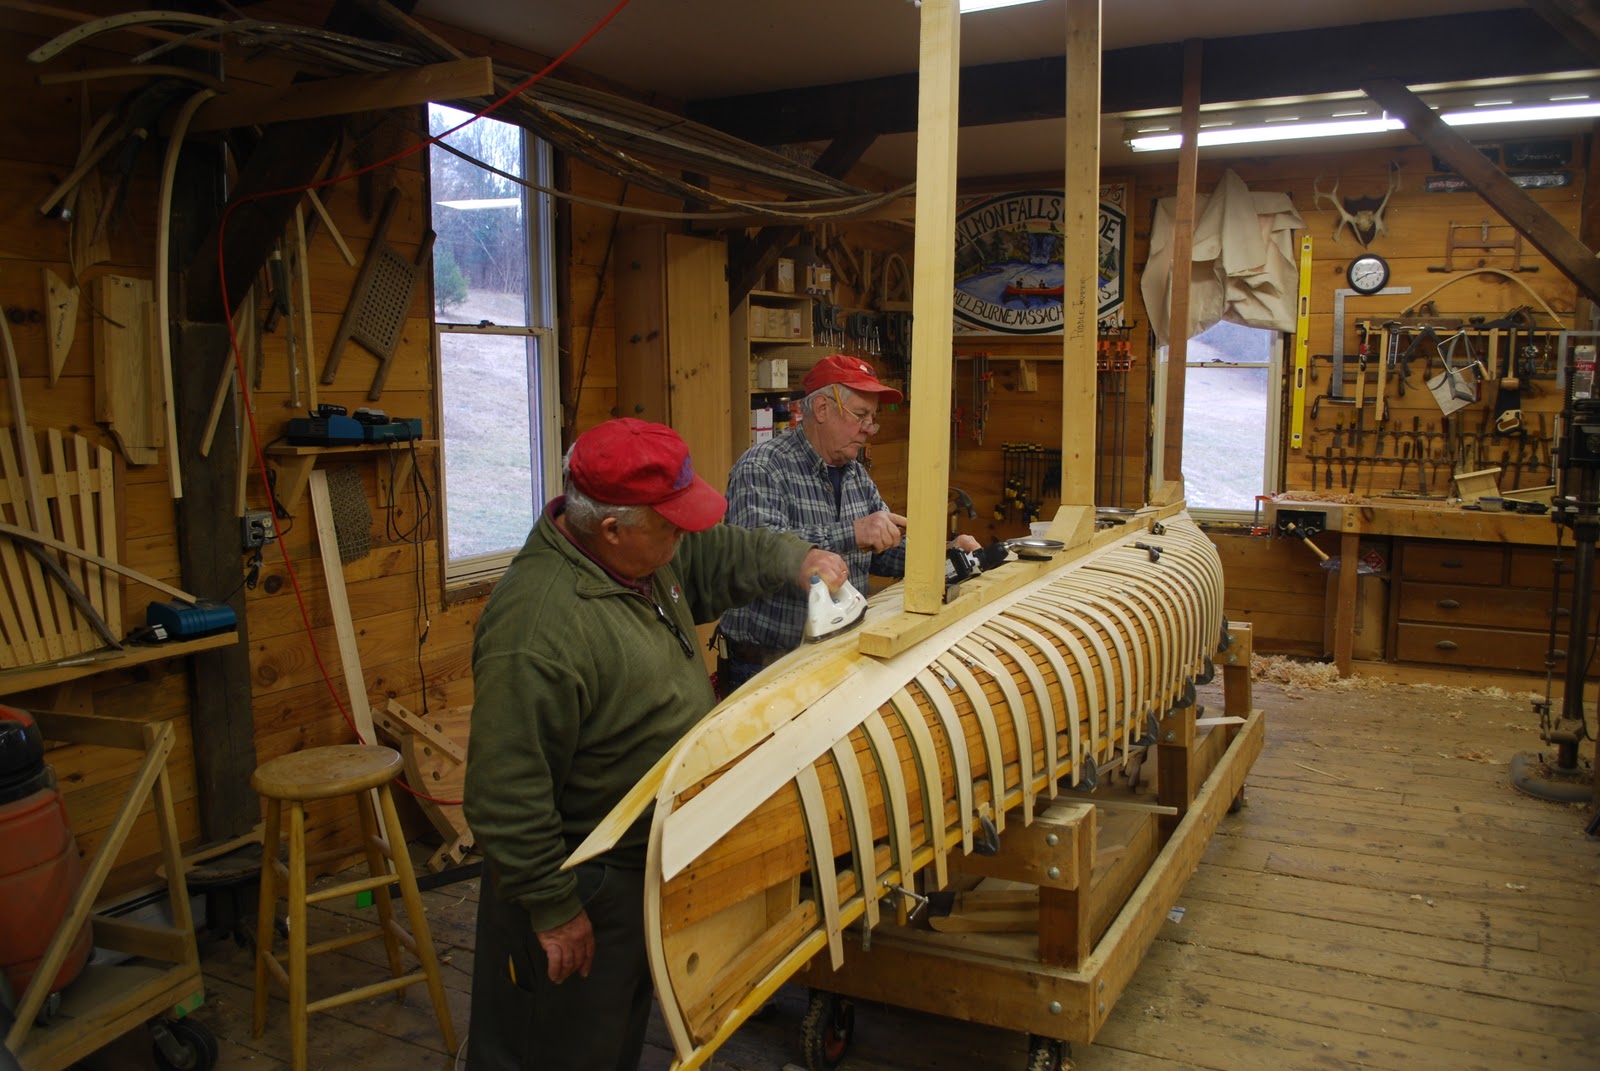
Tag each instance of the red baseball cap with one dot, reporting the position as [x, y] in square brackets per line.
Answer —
[850, 372]
[628, 462]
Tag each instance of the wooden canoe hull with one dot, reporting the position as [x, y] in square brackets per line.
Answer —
[836, 778]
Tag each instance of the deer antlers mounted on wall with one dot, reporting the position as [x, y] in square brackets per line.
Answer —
[1363, 215]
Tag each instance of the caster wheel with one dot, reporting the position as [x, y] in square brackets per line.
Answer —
[184, 1045]
[1238, 803]
[1047, 1054]
[827, 1029]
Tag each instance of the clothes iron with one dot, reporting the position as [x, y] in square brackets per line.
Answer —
[830, 613]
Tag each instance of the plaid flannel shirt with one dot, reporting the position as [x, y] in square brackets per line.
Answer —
[783, 484]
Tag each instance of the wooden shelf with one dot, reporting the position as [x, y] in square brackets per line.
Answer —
[296, 463]
[28, 678]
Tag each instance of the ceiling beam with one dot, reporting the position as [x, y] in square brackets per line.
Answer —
[1262, 66]
[1569, 255]
[748, 262]
[1576, 20]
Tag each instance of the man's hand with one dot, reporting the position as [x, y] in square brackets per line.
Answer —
[569, 947]
[965, 542]
[880, 531]
[826, 564]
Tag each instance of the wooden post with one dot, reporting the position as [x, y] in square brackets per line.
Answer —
[1237, 698]
[1182, 255]
[222, 725]
[1066, 930]
[931, 355]
[1080, 254]
[1176, 782]
[1344, 628]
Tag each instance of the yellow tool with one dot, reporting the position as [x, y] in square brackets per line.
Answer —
[1302, 347]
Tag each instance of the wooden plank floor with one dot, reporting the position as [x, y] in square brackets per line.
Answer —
[1385, 900]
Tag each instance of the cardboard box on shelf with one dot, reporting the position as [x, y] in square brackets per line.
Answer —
[772, 373]
[760, 424]
[783, 276]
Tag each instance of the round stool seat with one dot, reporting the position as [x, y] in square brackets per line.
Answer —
[322, 772]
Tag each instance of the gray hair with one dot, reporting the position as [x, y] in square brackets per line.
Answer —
[827, 392]
[585, 514]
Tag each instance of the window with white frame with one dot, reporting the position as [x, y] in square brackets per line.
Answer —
[1231, 394]
[494, 316]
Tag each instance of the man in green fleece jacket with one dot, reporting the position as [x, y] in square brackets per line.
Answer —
[585, 672]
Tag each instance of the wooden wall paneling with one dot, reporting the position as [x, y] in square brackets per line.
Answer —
[1278, 587]
[35, 152]
[286, 661]
[675, 339]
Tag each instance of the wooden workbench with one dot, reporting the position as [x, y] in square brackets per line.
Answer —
[1406, 519]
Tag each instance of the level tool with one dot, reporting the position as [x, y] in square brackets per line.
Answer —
[1302, 346]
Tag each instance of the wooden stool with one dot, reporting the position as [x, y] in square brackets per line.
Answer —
[318, 774]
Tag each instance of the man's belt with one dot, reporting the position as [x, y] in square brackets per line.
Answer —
[753, 653]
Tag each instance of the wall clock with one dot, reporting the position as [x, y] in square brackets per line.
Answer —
[1368, 273]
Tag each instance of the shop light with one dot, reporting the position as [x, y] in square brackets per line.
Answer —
[1244, 135]
[1336, 119]
[1572, 109]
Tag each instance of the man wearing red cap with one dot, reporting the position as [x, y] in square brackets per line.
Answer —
[810, 481]
[585, 672]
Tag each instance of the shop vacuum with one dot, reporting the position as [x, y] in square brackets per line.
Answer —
[40, 869]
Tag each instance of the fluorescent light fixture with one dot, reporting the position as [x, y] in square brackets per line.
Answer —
[1339, 118]
[1280, 131]
[1524, 114]
[969, 6]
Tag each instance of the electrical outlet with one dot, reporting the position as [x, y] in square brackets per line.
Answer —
[257, 529]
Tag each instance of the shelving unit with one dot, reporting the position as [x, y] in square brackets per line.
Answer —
[756, 337]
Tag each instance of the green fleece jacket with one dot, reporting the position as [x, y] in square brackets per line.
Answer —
[581, 684]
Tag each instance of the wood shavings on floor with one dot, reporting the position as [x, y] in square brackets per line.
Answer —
[1294, 673]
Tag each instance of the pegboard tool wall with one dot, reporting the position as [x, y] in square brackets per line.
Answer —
[1418, 227]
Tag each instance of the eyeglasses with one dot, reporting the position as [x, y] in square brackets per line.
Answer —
[868, 421]
[683, 641]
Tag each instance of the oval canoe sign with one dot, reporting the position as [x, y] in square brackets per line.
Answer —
[1009, 273]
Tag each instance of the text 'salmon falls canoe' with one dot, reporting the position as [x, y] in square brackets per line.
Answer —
[798, 807]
